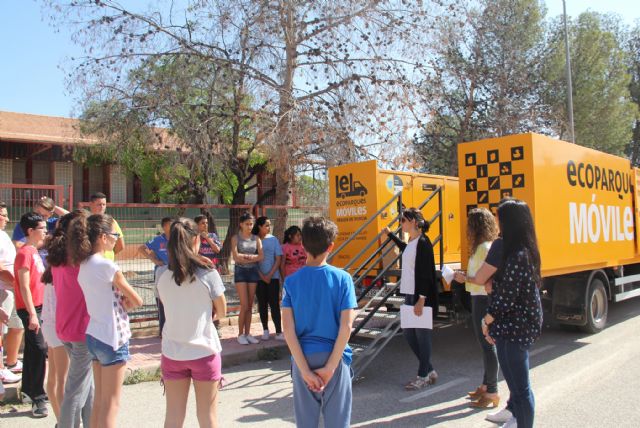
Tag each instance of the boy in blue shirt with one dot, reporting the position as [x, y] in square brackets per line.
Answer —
[156, 250]
[318, 311]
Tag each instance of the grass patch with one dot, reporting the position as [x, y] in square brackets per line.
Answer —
[139, 376]
[269, 354]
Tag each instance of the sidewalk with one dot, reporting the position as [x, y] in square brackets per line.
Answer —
[145, 353]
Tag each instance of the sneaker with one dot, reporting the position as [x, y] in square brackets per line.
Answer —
[16, 368]
[7, 376]
[511, 423]
[280, 336]
[39, 408]
[499, 417]
[252, 339]
[242, 339]
[265, 335]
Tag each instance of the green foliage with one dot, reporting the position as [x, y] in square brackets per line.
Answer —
[603, 110]
[633, 50]
[312, 191]
[140, 375]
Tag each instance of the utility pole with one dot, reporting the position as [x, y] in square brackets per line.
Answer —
[568, 72]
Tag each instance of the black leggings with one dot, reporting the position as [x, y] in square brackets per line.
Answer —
[34, 357]
[269, 296]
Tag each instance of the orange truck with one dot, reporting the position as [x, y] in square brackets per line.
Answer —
[585, 207]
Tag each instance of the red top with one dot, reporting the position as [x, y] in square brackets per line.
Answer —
[72, 317]
[28, 257]
[294, 258]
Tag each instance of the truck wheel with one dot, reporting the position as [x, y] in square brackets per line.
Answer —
[597, 307]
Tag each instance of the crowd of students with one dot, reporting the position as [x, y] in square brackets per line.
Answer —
[60, 285]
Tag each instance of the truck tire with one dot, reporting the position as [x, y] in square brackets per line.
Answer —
[597, 306]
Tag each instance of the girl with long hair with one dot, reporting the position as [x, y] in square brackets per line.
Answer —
[190, 289]
[482, 230]
[108, 296]
[420, 288]
[514, 317]
[268, 289]
[246, 250]
[70, 320]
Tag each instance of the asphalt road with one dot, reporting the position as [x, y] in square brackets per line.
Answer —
[579, 381]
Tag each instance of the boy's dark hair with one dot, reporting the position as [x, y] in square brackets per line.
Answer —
[30, 220]
[290, 233]
[97, 195]
[166, 220]
[3, 205]
[210, 219]
[317, 234]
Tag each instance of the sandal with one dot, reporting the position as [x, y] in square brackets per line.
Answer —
[417, 384]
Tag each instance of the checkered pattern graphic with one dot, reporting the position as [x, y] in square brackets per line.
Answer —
[497, 174]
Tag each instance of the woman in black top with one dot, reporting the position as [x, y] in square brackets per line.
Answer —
[419, 286]
[514, 317]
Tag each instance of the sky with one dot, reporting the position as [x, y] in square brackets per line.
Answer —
[32, 52]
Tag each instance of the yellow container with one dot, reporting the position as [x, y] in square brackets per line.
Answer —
[582, 200]
[359, 190]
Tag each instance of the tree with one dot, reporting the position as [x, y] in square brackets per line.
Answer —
[340, 65]
[603, 110]
[483, 80]
[633, 49]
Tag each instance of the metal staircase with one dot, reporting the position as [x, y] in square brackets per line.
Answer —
[378, 318]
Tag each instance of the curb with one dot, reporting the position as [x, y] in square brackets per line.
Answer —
[235, 359]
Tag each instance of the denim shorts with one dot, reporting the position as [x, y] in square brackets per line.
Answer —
[246, 274]
[105, 355]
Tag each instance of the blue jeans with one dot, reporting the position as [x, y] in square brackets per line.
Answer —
[419, 340]
[514, 361]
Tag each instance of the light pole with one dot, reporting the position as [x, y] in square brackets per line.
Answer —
[568, 71]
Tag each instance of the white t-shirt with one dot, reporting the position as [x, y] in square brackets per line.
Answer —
[108, 320]
[189, 332]
[7, 258]
[408, 281]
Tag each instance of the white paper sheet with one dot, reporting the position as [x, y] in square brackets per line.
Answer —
[409, 320]
[447, 274]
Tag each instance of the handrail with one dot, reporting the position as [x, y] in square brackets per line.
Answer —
[361, 228]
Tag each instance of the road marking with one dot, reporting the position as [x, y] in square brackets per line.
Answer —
[430, 391]
[539, 350]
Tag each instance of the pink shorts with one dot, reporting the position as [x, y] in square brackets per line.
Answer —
[203, 369]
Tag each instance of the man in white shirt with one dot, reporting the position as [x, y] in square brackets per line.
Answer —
[15, 331]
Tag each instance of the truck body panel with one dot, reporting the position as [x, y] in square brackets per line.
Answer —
[583, 201]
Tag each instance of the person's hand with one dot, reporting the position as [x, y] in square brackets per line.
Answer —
[418, 307]
[460, 276]
[485, 333]
[34, 324]
[128, 304]
[325, 374]
[313, 381]
[386, 230]
[488, 286]
[263, 277]
[4, 316]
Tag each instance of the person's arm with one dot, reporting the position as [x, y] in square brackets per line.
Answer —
[131, 298]
[59, 211]
[214, 246]
[313, 381]
[6, 275]
[237, 257]
[346, 322]
[399, 242]
[220, 306]
[149, 254]
[120, 242]
[24, 278]
[4, 316]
